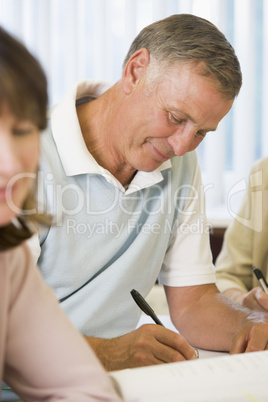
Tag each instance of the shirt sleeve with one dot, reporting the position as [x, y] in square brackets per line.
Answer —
[188, 261]
[234, 263]
[46, 358]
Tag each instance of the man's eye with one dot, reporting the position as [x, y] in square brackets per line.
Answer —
[200, 134]
[173, 119]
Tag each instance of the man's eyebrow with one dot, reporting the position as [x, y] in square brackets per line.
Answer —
[187, 116]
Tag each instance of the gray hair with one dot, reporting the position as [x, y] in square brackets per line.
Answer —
[188, 38]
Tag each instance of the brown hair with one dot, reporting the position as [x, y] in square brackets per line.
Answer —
[23, 87]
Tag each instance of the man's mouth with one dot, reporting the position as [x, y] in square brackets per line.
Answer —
[160, 155]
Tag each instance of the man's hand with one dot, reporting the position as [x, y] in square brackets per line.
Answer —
[148, 345]
[256, 299]
[217, 323]
[253, 335]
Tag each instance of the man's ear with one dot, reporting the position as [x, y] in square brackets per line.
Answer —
[134, 70]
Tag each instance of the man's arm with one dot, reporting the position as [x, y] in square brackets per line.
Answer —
[148, 345]
[210, 320]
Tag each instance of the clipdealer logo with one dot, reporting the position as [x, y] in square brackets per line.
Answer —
[47, 189]
[68, 199]
[108, 227]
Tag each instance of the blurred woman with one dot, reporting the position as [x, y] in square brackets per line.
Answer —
[42, 356]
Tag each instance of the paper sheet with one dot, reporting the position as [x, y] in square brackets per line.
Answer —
[237, 378]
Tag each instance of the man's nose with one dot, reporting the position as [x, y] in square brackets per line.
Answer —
[182, 141]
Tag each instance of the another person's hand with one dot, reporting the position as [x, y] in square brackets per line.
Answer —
[148, 345]
[253, 335]
[256, 299]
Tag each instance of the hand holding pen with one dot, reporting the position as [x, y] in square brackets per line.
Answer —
[147, 309]
[257, 298]
[261, 279]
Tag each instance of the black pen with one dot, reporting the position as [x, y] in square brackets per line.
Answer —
[144, 306]
[261, 279]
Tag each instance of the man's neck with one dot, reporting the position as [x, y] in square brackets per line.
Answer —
[98, 135]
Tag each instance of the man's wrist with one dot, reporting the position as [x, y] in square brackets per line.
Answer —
[98, 345]
[236, 295]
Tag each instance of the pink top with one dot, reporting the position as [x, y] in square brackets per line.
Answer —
[42, 356]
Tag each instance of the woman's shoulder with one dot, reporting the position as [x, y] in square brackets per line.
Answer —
[15, 263]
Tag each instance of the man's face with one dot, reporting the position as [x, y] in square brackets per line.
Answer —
[172, 120]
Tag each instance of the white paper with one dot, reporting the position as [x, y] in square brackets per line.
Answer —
[237, 378]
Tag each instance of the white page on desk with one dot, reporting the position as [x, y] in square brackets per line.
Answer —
[236, 378]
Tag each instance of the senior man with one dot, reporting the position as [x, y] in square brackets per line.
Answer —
[121, 177]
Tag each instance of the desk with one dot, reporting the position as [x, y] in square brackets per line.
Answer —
[165, 319]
